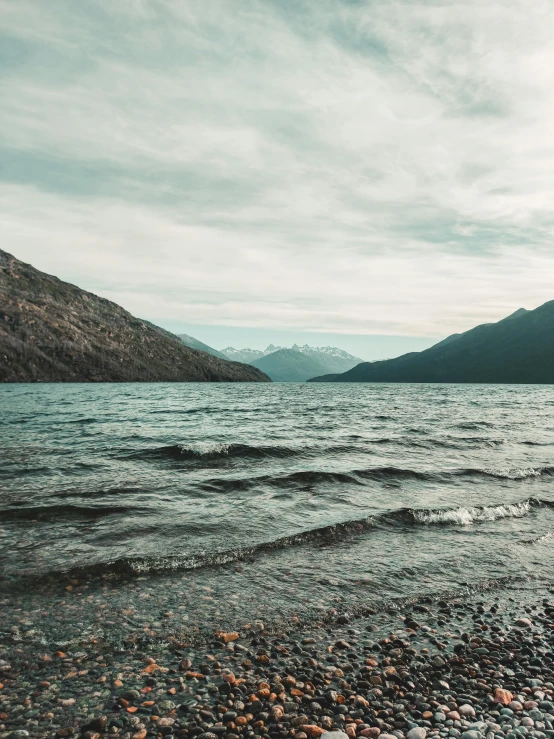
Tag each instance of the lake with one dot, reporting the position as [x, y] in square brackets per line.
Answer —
[235, 502]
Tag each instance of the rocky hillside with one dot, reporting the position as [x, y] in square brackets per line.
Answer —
[51, 331]
[518, 349]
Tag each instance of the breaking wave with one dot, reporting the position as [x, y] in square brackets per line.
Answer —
[467, 516]
[214, 451]
[403, 518]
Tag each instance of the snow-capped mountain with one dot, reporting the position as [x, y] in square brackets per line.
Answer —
[295, 363]
[248, 355]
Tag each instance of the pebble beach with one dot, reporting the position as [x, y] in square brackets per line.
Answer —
[474, 668]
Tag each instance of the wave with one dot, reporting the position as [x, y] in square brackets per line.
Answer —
[126, 566]
[403, 518]
[507, 473]
[466, 516]
[538, 539]
[448, 442]
[307, 478]
[474, 425]
[61, 512]
[214, 451]
[386, 475]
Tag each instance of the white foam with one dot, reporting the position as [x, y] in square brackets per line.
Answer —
[467, 516]
[206, 449]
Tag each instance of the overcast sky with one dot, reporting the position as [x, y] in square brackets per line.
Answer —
[242, 168]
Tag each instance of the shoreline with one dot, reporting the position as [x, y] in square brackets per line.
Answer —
[395, 672]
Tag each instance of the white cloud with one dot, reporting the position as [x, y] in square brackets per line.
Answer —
[332, 166]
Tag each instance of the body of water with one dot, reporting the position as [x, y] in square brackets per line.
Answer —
[254, 500]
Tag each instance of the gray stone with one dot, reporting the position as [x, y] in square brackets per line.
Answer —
[418, 733]
[339, 735]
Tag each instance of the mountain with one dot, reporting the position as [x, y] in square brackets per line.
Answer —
[336, 360]
[298, 364]
[51, 331]
[248, 355]
[295, 364]
[196, 344]
[517, 349]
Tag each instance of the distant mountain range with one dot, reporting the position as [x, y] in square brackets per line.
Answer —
[517, 349]
[51, 331]
[249, 355]
[282, 364]
[296, 364]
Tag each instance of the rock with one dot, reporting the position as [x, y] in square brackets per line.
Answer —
[503, 696]
[312, 730]
[337, 735]
[471, 734]
[466, 711]
[524, 622]
[97, 724]
[228, 636]
[166, 721]
[18, 734]
[418, 733]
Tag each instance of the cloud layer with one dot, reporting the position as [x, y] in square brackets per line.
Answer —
[336, 166]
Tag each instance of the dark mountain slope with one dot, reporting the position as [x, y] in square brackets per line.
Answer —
[289, 365]
[51, 331]
[196, 344]
[518, 349]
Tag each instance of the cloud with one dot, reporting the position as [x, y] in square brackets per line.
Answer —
[339, 166]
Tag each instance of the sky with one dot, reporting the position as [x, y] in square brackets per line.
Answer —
[372, 174]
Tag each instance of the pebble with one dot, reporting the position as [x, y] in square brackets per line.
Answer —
[417, 733]
[429, 681]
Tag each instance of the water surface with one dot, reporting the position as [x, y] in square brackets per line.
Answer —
[237, 501]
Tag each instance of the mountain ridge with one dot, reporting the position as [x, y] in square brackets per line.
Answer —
[193, 343]
[53, 331]
[518, 349]
[296, 363]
